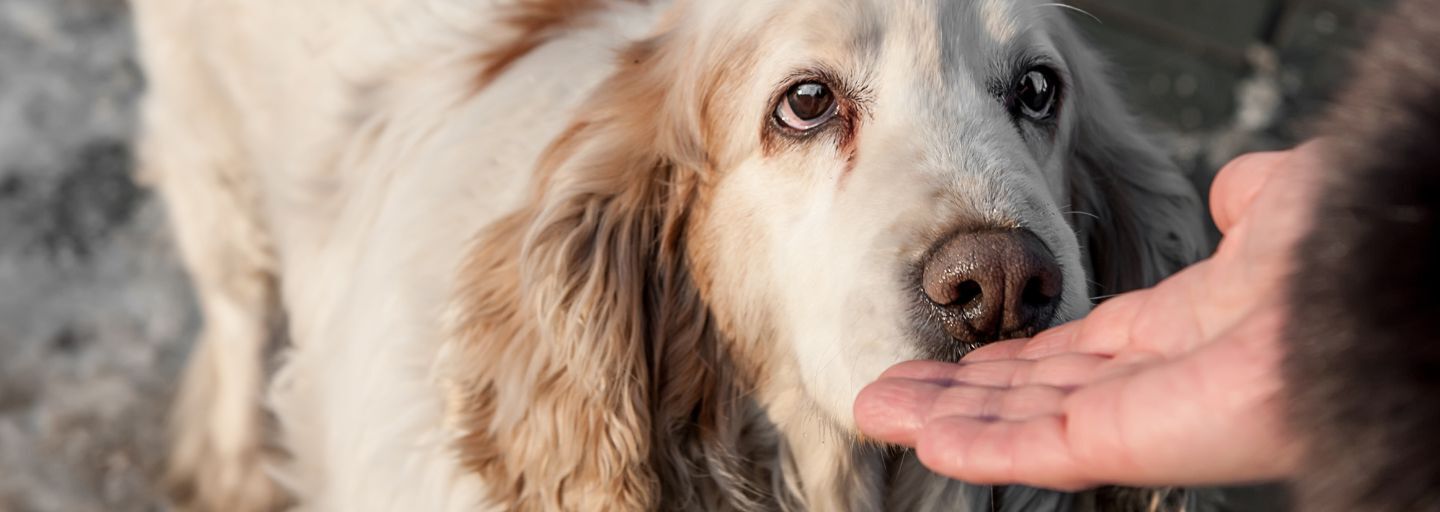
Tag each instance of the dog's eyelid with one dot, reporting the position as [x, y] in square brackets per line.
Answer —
[850, 104]
[855, 93]
[1035, 57]
[1029, 60]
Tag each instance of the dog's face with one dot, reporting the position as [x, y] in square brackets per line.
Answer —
[770, 202]
[892, 180]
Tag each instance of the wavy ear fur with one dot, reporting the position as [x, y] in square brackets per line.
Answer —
[1138, 216]
[586, 367]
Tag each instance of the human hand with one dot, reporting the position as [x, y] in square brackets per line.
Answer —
[1173, 385]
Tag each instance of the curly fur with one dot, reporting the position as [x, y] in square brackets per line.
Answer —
[580, 306]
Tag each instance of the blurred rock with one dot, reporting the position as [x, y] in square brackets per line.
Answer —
[95, 314]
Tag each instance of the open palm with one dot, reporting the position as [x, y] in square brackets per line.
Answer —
[1173, 385]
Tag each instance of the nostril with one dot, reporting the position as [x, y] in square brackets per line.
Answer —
[1034, 294]
[990, 285]
[967, 292]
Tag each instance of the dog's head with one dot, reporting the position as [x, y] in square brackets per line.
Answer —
[778, 200]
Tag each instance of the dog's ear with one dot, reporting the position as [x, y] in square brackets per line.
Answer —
[1139, 218]
[579, 343]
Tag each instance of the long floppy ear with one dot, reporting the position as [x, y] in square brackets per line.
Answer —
[581, 352]
[1138, 217]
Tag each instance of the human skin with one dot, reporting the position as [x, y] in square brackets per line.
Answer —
[1178, 384]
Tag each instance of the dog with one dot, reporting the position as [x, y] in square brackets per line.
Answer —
[623, 254]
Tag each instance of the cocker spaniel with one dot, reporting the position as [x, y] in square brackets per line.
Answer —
[622, 254]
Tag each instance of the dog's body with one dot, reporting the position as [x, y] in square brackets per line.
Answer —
[286, 175]
[555, 254]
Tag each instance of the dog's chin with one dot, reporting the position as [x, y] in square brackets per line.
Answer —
[934, 344]
[945, 350]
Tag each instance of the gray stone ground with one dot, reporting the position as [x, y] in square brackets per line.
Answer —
[96, 317]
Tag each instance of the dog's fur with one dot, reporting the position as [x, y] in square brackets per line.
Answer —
[1364, 365]
[550, 254]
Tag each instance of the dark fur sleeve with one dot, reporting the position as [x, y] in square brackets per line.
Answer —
[1364, 364]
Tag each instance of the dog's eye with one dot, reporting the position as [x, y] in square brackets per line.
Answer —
[806, 106]
[1035, 94]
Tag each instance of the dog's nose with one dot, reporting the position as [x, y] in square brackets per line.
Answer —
[993, 285]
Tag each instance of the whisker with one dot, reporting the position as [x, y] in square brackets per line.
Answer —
[1078, 212]
[1095, 284]
[1073, 8]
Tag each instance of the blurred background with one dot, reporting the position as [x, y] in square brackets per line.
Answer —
[96, 317]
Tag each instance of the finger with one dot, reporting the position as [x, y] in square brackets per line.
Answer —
[1168, 320]
[1109, 329]
[1070, 449]
[994, 373]
[1237, 184]
[908, 404]
[921, 370]
[1012, 349]
[1032, 451]
[1062, 370]
[895, 407]
[1008, 404]
[933, 370]
[1106, 330]
[996, 351]
[894, 410]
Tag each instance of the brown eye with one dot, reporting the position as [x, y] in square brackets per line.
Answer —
[1036, 93]
[806, 106]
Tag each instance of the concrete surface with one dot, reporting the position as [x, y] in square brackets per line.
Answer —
[94, 312]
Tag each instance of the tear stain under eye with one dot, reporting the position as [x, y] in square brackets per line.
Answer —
[849, 147]
[773, 141]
